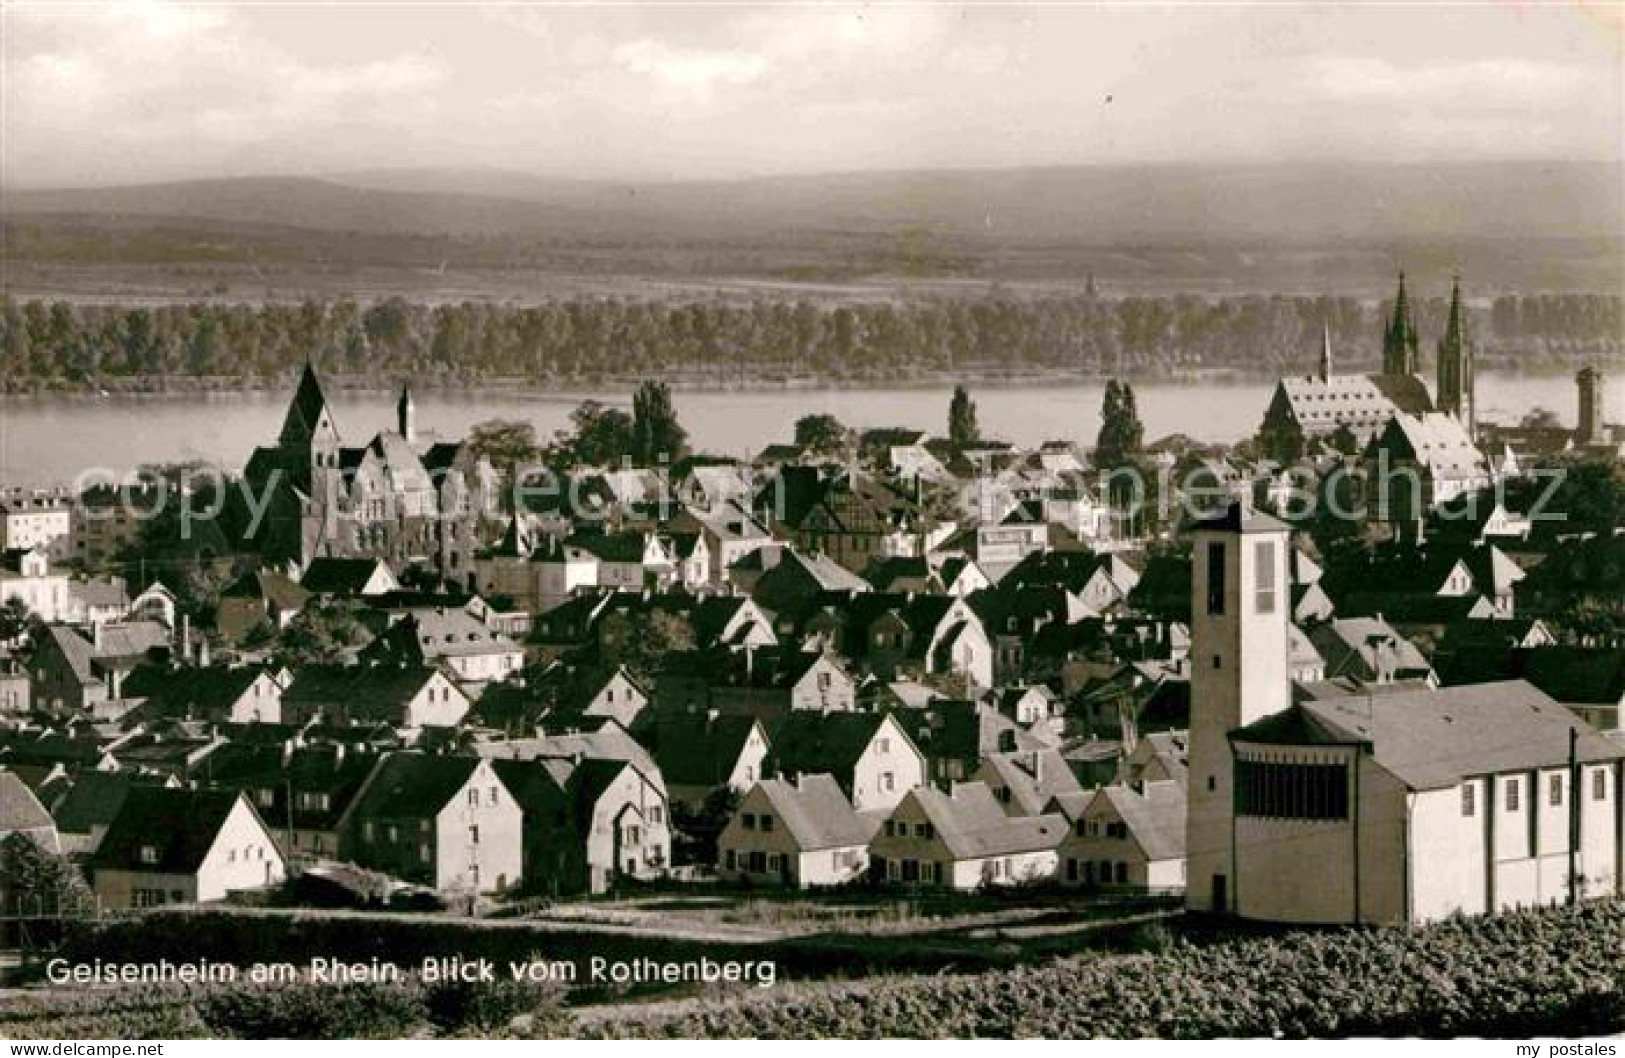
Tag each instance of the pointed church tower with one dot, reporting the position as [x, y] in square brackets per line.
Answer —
[1326, 352]
[1455, 369]
[406, 414]
[1400, 346]
[308, 429]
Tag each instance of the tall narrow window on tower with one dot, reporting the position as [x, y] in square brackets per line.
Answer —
[1264, 586]
[1215, 579]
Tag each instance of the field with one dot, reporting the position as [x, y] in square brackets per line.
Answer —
[1549, 972]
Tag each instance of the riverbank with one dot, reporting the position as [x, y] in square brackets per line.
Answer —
[597, 387]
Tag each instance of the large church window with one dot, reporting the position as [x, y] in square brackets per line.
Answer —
[1276, 790]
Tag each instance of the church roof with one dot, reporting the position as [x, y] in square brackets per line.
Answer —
[1437, 441]
[1436, 738]
[1361, 402]
[309, 418]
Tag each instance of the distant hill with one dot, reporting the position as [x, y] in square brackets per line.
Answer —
[1196, 206]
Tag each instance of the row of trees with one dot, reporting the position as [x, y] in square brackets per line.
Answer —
[67, 344]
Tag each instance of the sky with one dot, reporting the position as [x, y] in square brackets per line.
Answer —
[97, 94]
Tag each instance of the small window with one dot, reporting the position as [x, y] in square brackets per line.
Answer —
[474, 835]
[495, 796]
[473, 797]
[1469, 794]
[1215, 579]
[1512, 795]
[149, 854]
[1599, 785]
[767, 823]
[1554, 790]
[749, 820]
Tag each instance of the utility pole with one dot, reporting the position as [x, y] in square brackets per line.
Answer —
[1574, 815]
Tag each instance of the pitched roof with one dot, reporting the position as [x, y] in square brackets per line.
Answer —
[191, 691]
[1155, 815]
[816, 812]
[19, 808]
[695, 750]
[180, 825]
[972, 825]
[308, 415]
[282, 592]
[93, 798]
[1434, 738]
[1033, 777]
[412, 785]
[808, 742]
[339, 576]
[363, 690]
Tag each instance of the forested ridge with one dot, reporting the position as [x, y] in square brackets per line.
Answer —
[62, 345]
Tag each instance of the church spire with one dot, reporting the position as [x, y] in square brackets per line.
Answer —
[1400, 345]
[406, 414]
[1325, 351]
[309, 422]
[1455, 368]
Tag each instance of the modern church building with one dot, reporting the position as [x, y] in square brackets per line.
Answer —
[1386, 805]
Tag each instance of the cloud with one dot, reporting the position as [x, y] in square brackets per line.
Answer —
[179, 83]
[690, 70]
[1500, 82]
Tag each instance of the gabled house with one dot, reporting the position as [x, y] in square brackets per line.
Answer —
[1126, 836]
[954, 735]
[896, 635]
[402, 697]
[179, 846]
[263, 598]
[773, 683]
[699, 754]
[868, 754]
[75, 673]
[445, 822]
[1368, 649]
[790, 578]
[301, 792]
[799, 832]
[27, 576]
[730, 532]
[239, 695]
[348, 578]
[963, 840]
[452, 639]
[1025, 783]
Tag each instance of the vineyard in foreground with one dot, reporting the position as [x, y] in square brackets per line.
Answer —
[1556, 972]
[1551, 972]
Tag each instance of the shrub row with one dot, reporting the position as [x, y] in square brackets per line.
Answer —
[1546, 972]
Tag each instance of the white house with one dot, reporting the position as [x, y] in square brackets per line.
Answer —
[1126, 835]
[963, 840]
[801, 832]
[171, 846]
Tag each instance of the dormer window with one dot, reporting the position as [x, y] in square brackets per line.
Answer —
[149, 854]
